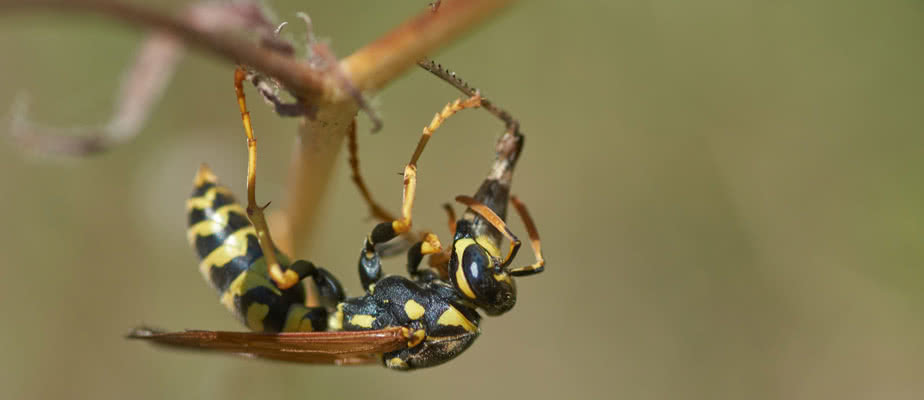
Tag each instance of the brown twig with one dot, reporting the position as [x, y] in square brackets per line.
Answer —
[320, 138]
[369, 68]
[296, 76]
[383, 60]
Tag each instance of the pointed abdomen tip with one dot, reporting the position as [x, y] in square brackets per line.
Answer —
[204, 175]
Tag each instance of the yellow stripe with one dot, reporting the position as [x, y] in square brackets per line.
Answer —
[295, 320]
[245, 282]
[461, 281]
[487, 243]
[453, 317]
[235, 245]
[206, 200]
[215, 222]
[255, 314]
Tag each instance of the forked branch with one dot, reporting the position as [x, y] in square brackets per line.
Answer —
[321, 137]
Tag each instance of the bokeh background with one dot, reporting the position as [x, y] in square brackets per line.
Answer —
[730, 195]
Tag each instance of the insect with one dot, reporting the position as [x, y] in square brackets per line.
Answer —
[404, 323]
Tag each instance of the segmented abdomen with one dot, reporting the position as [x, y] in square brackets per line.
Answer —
[232, 262]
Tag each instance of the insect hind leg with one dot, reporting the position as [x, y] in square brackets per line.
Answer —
[370, 265]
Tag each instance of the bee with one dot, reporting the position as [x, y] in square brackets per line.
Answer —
[404, 323]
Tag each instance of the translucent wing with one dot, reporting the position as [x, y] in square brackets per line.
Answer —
[337, 348]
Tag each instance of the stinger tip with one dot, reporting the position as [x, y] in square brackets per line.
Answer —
[204, 175]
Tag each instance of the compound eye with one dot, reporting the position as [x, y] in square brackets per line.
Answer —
[475, 263]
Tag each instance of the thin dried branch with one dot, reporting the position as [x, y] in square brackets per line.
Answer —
[321, 137]
[369, 68]
[326, 56]
[383, 60]
[142, 85]
[297, 76]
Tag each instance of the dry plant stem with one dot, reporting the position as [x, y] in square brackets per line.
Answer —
[316, 152]
[383, 60]
[296, 76]
[284, 279]
[369, 68]
[320, 139]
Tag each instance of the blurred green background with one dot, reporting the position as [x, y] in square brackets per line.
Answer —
[730, 197]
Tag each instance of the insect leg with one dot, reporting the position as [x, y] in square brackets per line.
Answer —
[375, 209]
[329, 288]
[283, 279]
[415, 255]
[370, 265]
[539, 265]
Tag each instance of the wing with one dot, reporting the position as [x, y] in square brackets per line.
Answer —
[337, 348]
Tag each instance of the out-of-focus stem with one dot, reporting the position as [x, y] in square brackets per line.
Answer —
[297, 76]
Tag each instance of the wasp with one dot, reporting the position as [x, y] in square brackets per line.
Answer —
[404, 323]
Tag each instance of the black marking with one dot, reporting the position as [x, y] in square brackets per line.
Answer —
[387, 305]
[279, 305]
[196, 215]
[222, 200]
[200, 191]
[222, 275]
[383, 232]
[206, 244]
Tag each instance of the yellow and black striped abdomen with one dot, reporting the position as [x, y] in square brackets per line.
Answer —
[233, 263]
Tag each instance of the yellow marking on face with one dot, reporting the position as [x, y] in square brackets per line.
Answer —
[413, 309]
[206, 200]
[460, 246]
[395, 363]
[453, 317]
[255, 314]
[235, 245]
[418, 337]
[488, 244]
[503, 277]
[362, 320]
[215, 222]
